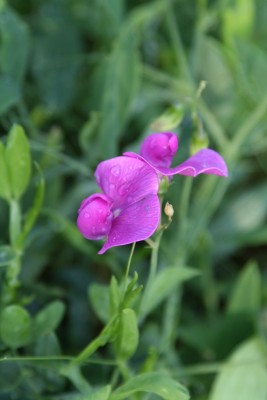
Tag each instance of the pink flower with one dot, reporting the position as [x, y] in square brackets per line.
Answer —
[158, 150]
[128, 210]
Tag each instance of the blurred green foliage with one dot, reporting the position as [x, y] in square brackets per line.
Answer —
[88, 79]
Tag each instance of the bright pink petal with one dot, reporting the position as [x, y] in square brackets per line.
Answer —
[126, 180]
[205, 161]
[136, 222]
[159, 148]
[95, 217]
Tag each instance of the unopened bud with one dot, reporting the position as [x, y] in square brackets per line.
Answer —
[169, 211]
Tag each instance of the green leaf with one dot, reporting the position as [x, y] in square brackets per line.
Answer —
[211, 64]
[246, 297]
[128, 334]
[238, 19]
[4, 178]
[169, 120]
[18, 159]
[49, 318]
[7, 255]
[15, 326]
[244, 375]
[9, 93]
[47, 345]
[99, 394]
[99, 298]
[154, 382]
[36, 207]
[121, 80]
[164, 283]
[14, 47]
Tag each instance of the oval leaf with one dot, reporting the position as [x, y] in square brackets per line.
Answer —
[18, 159]
[15, 328]
[4, 178]
[48, 319]
[128, 336]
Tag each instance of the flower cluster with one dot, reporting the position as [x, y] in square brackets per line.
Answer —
[128, 210]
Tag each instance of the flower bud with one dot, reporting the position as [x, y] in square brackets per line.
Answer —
[169, 211]
[95, 217]
[159, 148]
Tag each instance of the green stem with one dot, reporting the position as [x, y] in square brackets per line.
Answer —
[99, 341]
[183, 216]
[170, 322]
[213, 368]
[14, 223]
[127, 271]
[153, 268]
[13, 270]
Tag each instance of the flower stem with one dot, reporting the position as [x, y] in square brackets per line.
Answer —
[13, 270]
[183, 217]
[127, 271]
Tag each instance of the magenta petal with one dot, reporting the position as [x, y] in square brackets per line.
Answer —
[126, 180]
[95, 217]
[205, 161]
[159, 148]
[136, 222]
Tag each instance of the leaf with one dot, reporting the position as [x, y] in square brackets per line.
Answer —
[9, 93]
[99, 298]
[14, 48]
[47, 345]
[234, 226]
[121, 80]
[169, 120]
[49, 318]
[164, 283]
[18, 159]
[244, 375]
[4, 178]
[15, 326]
[246, 297]
[211, 64]
[238, 19]
[99, 394]
[36, 207]
[154, 382]
[128, 334]
[7, 255]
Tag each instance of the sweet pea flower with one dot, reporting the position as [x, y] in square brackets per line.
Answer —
[158, 150]
[128, 210]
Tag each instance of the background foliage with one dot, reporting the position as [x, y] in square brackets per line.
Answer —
[87, 79]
